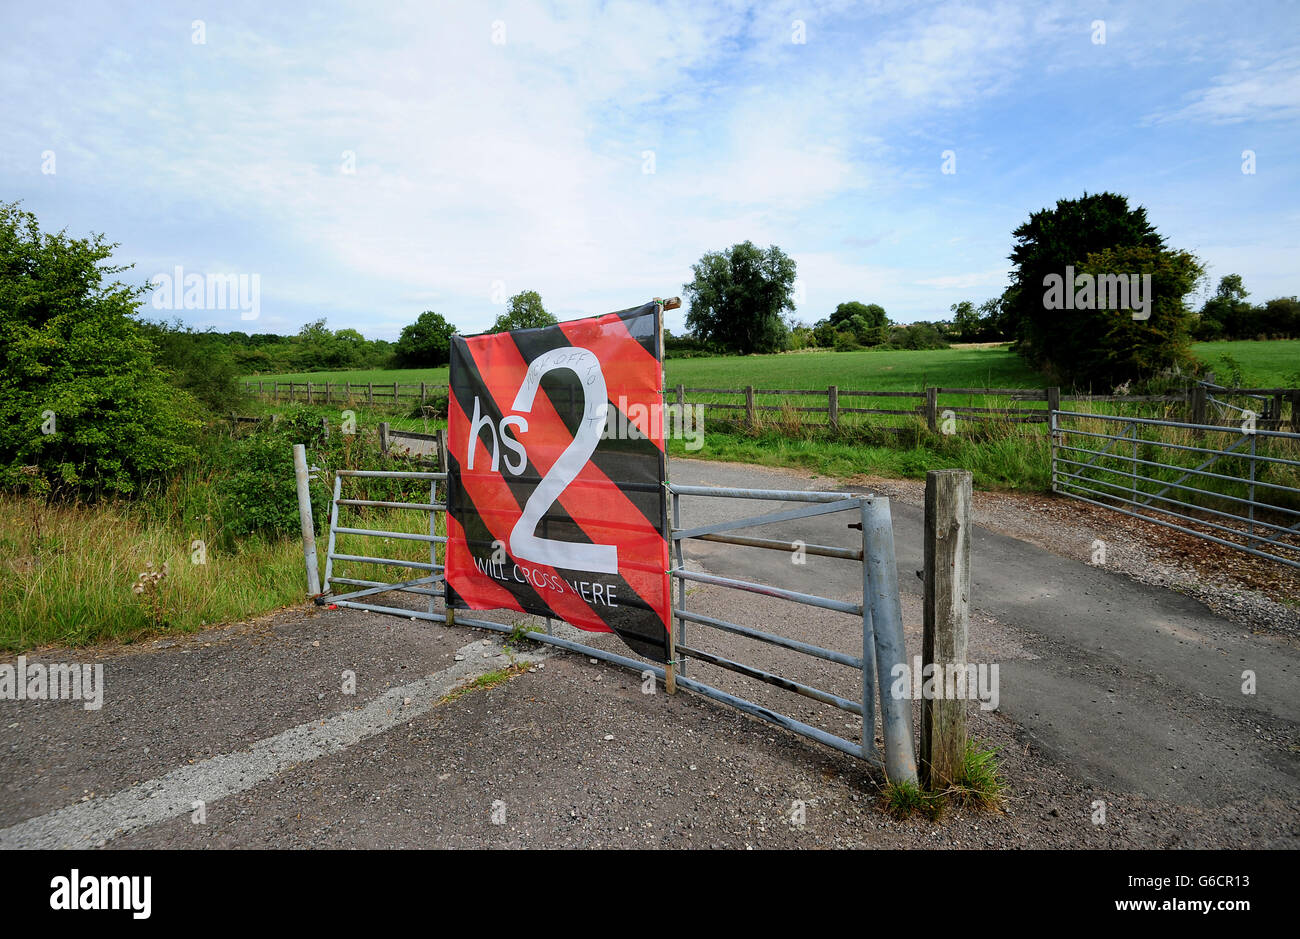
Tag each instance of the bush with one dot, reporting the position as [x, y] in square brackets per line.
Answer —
[80, 397]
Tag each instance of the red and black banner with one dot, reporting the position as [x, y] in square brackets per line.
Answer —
[556, 497]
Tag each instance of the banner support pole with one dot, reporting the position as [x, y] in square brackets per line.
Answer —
[670, 666]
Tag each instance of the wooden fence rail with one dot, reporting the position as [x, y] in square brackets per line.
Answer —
[1273, 402]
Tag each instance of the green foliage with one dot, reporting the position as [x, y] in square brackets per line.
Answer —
[1227, 315]
[980, 784]
[902, 800]
[1109, 347]
[965, 320]
[738, 297]
[260, 496]
[80, 397]
[919, 335]
[1096, 348]
[871, 315]
[847, 342]
[198, 362]
[523, 311]
[426, 342]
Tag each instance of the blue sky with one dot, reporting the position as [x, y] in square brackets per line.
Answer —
[501, 146]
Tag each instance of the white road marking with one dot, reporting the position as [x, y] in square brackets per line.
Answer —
[86, 824]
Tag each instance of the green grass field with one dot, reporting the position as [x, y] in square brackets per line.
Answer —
[1010, 456]
[1263, 364]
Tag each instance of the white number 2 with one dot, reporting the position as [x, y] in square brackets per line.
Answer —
[524, 543]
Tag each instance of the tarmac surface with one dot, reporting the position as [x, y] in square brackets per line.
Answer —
[1110, 692]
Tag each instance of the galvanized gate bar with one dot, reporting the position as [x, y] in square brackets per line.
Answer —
[1190, 531]
[768, 591]
[401, 535]
[1163, 498]
[820, 550]
[1156, 508]
[791, 515]
[1130, 483]
[1231, 429]
[886, 608]
[1175, 446]
[389, 562]
[406, 586]
[422, 506]
[1186, 471]
[391, 474]
[830, 655]
[774, 495]
[808, 691]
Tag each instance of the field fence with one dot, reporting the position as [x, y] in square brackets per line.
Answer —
[940, 409]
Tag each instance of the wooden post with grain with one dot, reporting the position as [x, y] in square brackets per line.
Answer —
[947, 610]
[932, 409]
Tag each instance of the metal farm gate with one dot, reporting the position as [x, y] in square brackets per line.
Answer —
[877, 649]
[1237, 486]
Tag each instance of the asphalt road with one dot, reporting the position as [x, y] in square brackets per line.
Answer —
[247, 735]
[1139, 688]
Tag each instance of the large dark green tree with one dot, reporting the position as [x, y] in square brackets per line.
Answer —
[872, 314]
[1064, 342]
[738, 297]
[426, 342]
[523, 311]
[81, 400]
[1111, 346]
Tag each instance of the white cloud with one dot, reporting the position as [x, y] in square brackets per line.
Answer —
[1249, 91]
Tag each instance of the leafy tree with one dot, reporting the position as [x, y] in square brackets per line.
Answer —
[1227, 312]
[80, 398]
[199, 362]
[872, 314]
[523, 311]
[738, 297]
[1051, 240]
[1110, 347]
[426, 342]
[965, 320]
[823, 334]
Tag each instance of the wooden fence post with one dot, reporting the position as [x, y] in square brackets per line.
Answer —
[1295, 412]
[932, 409]
[1197, 406]
[424, 398]
[947, 601]
[370, 392]
[309, 392]
[383, 437]
[444, 458]
[749, 403]
[833, 406]
[1053, 404]
[395, 395]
